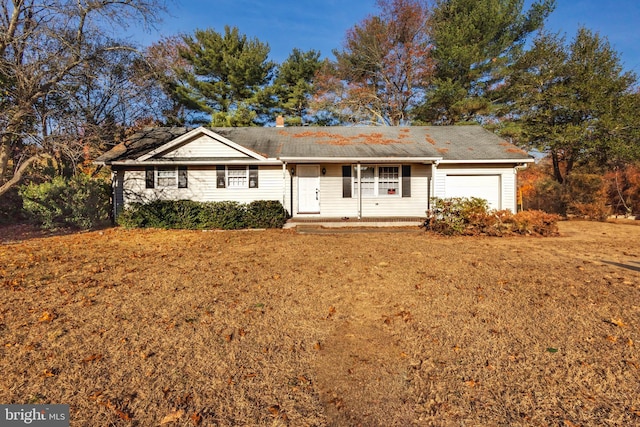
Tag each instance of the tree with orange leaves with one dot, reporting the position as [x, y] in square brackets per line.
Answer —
[380, 74]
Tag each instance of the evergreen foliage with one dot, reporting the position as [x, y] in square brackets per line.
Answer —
[574, 102]
[187, 214]
[79, 202]
[228, 78]
[474, 43]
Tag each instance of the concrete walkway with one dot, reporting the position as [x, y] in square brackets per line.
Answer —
[330, 225]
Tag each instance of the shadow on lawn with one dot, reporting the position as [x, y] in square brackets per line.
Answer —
[627, 266]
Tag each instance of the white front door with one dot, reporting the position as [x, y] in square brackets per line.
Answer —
[308, 188]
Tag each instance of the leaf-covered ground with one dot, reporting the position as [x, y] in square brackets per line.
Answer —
[153, 327]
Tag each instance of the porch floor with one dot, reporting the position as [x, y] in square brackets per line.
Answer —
[372, 222]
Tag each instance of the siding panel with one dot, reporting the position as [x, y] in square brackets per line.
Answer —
[203, 146]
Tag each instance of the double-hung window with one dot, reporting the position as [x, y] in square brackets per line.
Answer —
[376, 180]
[237, 177]
[166, 177]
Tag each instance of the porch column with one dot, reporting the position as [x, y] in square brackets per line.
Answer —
[359, 175]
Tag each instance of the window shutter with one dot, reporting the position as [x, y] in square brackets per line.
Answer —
[346, 181]
[220, 177]
[406, 180]
[253, 176]
[182, 177]
[149, 177]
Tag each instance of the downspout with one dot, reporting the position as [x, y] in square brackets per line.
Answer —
[291, 191]
[359, 191]
[521, 166]
[284, 185]
[114, 198]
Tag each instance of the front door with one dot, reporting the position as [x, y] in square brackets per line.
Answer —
[308, 188]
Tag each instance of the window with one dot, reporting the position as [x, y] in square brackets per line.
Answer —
[388, 180]
[166, 177]
[237, 177]
[376, 180]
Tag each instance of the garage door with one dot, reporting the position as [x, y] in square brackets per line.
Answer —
[482, 186]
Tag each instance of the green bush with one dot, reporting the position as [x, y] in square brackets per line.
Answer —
[186, 214]
[80, 202]
[265, 214]
[472, 217]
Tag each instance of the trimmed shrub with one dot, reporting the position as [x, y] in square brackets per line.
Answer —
[472, 217]
[80, 201]
[265, 214]
[187, 214]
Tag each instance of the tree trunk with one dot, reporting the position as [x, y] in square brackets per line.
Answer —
[557, 173]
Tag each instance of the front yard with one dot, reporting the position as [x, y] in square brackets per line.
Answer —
[149, 327]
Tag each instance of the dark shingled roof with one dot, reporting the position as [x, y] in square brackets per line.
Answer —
[446, 142]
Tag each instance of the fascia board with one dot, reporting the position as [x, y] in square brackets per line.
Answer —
[360, 159]
[195, 132]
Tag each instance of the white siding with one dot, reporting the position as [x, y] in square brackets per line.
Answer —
[202, 187]
[204, 146]
[507, 180]
[333, 205]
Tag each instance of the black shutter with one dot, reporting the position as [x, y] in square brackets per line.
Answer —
[253, 176]
[149, 177]
[220, 177]
[346, 181]
[182, 177]
[406, 180]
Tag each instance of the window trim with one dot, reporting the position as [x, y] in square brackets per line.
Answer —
[180, 175]
[251, 177]
[174, 176]
[376, 181]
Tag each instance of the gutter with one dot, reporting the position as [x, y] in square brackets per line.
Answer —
[363, 160]
[194, 163]
[487, 161]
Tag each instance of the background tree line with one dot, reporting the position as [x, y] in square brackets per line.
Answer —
[69, 91]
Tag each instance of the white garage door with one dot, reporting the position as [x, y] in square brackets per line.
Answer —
[482, 186]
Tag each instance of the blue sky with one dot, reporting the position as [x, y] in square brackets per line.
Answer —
[321, 25]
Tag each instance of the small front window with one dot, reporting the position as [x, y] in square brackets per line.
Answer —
[167, 177]
[237, 177]
[376, 180]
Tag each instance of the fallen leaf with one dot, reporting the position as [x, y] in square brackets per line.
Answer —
[92, 358]
[332, 311]
[172, 417]
[196, 419]
[274, 409]
[47, 317]
[611, 338]
[317, 345]
[618, 322]
[471, 383]
[47, 373]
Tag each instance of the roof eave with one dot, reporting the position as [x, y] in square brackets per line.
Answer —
[193, 163]
[360, 159]
[527, 160]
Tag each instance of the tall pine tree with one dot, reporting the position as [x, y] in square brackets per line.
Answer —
[474, 41]
[229, 78]
[575, 102]
[293, 85]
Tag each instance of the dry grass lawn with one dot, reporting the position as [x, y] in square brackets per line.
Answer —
[277, 328]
